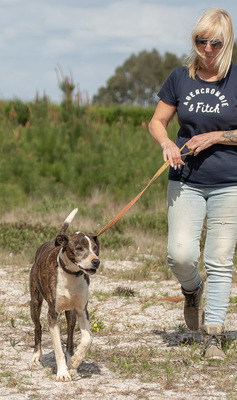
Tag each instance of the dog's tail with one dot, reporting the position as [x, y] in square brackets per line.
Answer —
[68, 220]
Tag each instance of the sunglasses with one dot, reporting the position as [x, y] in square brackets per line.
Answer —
[215, 44]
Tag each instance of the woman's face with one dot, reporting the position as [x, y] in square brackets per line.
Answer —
[209, 48]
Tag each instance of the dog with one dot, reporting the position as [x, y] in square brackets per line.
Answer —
[60, 275]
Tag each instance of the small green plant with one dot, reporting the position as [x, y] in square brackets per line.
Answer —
[182, 328]
[14, 342]
[96, 324]
[149, 302]
[8, 379]
[13, 323]
[233, 299]
[226, 343]
[101, 295]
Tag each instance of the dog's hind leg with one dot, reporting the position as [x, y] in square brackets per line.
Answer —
[86, 339]
[35, 310]
[71, 321]
[62, 371]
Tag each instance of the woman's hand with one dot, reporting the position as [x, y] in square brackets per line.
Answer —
[172, 153]
[203, 141]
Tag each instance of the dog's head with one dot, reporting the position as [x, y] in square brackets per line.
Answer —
[81, 250]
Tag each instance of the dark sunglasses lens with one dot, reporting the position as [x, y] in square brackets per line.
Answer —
[201, 42]
[216, 43]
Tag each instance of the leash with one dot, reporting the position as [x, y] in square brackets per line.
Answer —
[132, 202]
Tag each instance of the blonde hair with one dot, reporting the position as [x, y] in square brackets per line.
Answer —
[217, 24]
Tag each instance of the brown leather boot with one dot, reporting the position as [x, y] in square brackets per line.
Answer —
[193, 310]
[212, 335]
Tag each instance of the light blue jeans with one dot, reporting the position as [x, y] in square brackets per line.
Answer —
[188, 207]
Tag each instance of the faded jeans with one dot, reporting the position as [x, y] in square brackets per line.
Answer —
[188, 207]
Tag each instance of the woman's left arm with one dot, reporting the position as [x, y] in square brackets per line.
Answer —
[205, 140]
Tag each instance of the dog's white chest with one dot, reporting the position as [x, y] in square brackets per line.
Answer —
[71, 292]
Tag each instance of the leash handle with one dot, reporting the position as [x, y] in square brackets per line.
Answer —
[132, 202]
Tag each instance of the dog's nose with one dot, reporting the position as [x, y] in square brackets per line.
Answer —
[95, 262]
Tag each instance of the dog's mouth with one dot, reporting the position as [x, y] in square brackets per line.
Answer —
[89, 271]
[94, 265]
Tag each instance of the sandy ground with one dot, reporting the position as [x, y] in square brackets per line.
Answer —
[153, 319]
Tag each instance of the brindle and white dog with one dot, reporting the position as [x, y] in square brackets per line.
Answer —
[60, 275]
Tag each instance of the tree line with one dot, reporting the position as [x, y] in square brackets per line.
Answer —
[140, 77]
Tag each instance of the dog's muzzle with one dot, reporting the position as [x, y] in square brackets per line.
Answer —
[95, 263]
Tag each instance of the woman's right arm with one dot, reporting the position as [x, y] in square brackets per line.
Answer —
[158, 129]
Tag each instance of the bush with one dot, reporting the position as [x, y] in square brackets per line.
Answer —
[78, 149]
[17, 110]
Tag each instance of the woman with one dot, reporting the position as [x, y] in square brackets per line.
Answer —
[204, 184]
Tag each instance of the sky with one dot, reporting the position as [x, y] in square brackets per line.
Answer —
[88, 39]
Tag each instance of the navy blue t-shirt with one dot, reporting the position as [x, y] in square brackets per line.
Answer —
[204, 107]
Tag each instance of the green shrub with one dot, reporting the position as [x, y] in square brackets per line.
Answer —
[114, 240]
[18, 110]
[111, 115]
[78, 149]
[22, 237]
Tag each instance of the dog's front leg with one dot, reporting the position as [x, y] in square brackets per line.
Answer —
[62, 371]
[86, 339]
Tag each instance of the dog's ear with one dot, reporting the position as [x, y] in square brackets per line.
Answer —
[61, 240]
[96, 240]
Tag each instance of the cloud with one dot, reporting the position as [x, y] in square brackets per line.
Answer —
[92, 37]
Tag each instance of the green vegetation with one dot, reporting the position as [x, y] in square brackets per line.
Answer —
[56, 151]
[58, 157]
[139, 79]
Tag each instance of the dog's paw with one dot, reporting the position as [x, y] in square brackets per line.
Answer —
[36, 359]
[73, 373]
[63, 377]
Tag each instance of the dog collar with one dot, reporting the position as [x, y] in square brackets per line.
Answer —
[63, 265]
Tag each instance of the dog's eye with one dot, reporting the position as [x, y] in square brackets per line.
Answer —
[79, 248]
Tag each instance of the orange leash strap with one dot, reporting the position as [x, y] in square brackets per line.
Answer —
[132, 202]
